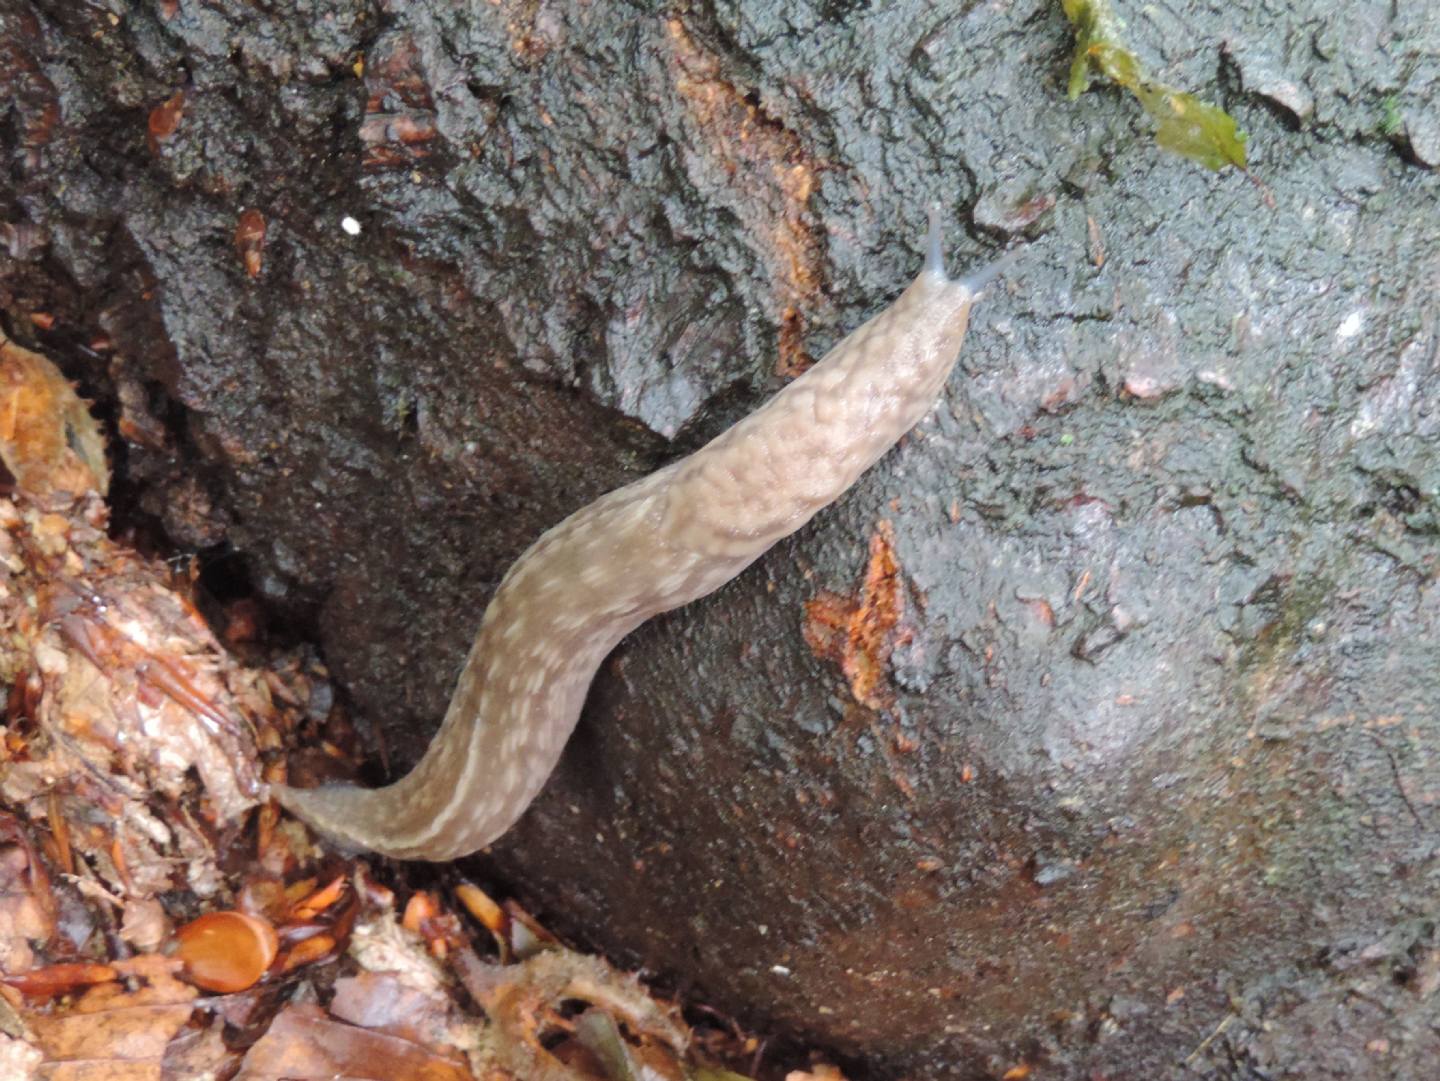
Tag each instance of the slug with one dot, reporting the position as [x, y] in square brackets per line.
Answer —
[646, 548]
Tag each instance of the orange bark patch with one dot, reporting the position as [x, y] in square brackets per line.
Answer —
[399, 119]
[165, 120]
[250, 240]
[768, 166]
[860, 634]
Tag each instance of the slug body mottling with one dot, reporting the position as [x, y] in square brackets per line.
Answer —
[646, 548]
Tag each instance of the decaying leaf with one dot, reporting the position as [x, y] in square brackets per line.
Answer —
[304, 1044]
[129, 695]
[529, 1037]
[113, 1032]
[27, 907]
[124, 693]
[1185, 124]
[48, 439]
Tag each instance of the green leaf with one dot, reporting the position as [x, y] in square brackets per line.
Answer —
[1117, 64]
[1184, 124]
[1198, 130]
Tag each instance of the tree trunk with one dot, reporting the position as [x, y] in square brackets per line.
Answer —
[373, 294]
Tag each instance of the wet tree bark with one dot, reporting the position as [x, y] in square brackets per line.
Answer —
[373, 293]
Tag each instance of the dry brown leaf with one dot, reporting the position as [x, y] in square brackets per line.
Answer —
[523, 1000]
[303, 1044]
[144, 924]
[27, 908]
[382, 1002]
[19, 1061]
[114, 1034]
[197, 1053]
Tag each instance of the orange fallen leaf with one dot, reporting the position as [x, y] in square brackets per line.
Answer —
[61, 979]
[308, 951]
[114, 1033]
[420, 907]
[478, 903]
[48, 439]
[319, 900]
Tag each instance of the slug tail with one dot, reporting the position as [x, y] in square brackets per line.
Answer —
[356, 818]
[338, 811]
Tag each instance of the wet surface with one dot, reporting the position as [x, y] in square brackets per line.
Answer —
[1161, 780]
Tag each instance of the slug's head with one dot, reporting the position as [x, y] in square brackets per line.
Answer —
[946, 301]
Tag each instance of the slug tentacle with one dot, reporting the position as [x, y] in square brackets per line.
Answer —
[934, 249]
[651, 546]
[976, 281]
